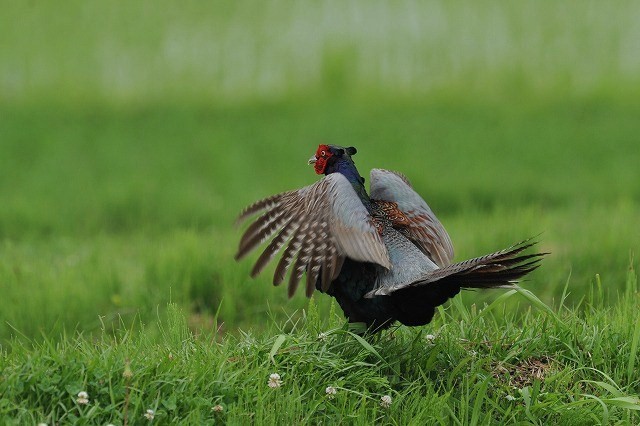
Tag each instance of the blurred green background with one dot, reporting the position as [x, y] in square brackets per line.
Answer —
[132, 134]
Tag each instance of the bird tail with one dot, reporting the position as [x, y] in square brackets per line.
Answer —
[501, 269]
[415, 302]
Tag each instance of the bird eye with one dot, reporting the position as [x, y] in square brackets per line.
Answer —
[323, 153]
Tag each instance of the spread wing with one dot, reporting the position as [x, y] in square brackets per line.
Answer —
[320, 225]
[423, 227]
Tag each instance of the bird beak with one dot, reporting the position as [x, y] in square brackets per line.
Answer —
[313, 159]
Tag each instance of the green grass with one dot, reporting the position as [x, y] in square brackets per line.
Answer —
[231, 51]
[479, 366]
[113, 212]
[131, 136]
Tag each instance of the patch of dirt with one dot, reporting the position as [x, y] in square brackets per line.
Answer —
[523, 373]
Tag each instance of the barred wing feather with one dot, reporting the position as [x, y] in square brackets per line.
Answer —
[320, 225]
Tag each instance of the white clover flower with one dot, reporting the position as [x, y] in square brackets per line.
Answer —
[217, 408]
[42, 424]
[274, 381]
[510, 398]
[323, 336]
[83, 398]
[331, 392]
[430, 337]
[386, 401]
[150, 414]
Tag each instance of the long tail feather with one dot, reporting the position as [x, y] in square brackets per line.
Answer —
[415, 302]
[493, 270]
[500, 269]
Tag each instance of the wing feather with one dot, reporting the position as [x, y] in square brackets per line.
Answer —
[423, 227]
[320, 225]
[273, 247]
[289, 254]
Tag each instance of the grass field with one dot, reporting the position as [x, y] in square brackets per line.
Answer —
[131, 137]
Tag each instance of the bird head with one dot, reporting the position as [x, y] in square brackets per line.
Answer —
[327, 155]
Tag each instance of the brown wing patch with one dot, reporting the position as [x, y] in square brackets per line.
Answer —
[422, 227]
[389, 210]
[415, 225]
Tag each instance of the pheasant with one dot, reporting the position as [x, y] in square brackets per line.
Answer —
[384, 256]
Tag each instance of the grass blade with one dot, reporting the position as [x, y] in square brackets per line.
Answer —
[627, 402]
[533, 299]
[477, 405]
[631, 366]
[276, 345]
[366, 345]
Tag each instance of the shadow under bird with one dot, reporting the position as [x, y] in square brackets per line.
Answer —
[384, 256]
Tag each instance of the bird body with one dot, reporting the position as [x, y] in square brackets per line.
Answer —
[383, 256]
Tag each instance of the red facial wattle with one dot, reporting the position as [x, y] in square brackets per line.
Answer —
[319, 166]
[322, 156]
